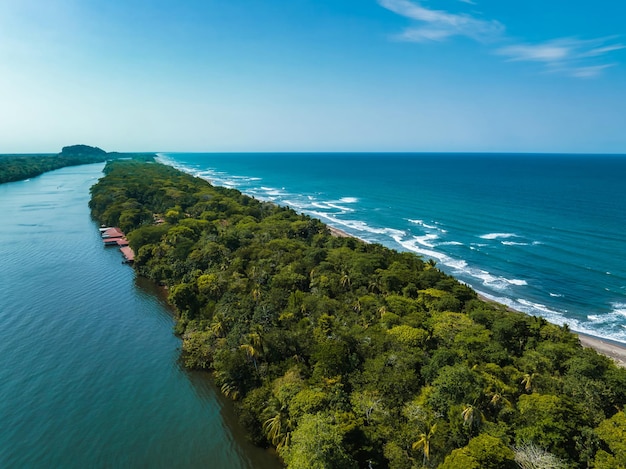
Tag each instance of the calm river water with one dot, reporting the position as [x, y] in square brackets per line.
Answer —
[90, 375]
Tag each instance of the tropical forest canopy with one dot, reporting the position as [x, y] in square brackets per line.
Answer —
[343, 354]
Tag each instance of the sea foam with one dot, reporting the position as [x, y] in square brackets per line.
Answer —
[619, 308]
[498, 236]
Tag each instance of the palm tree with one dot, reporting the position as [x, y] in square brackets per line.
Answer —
[423, 443]
[251, 353]
[230, 390]
[472, 416]
[498, 397]
[217, 326]
[527, 381]
[375, 285]
[346, 282]
[278, 429]
[255, 337]
[229, 387]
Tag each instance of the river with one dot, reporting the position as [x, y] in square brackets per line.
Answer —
[91, 375]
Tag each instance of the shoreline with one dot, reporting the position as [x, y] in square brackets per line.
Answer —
[339, 233]
[616, 351]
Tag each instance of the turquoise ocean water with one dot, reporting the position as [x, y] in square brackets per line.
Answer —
[90, 374]
[544, 234]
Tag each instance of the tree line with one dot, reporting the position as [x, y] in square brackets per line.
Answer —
[344, 354]
[20, 167]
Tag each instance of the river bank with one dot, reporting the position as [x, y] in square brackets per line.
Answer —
[92, 374]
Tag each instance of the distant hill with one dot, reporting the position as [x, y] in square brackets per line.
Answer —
[82, 150]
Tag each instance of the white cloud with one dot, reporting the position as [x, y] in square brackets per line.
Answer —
[567, 56]
[603, 50]
[574, 57]
[590, 72]
[547, 52]
[438, 25]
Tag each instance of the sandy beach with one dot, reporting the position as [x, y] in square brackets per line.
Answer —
[609, 348]
[338, 233]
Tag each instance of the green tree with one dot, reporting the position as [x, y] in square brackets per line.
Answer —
[317, 443]
[482, 452]
[612, 433]
[549, 421]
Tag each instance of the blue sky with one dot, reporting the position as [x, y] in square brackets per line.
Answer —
[313, 75]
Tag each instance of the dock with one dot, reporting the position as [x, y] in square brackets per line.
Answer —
[113, 236]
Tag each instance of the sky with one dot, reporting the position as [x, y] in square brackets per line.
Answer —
[313, 75]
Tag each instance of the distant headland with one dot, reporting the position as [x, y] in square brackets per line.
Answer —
[19, 167]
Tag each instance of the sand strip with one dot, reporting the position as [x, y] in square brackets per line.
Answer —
[611, 349]
[338, 233]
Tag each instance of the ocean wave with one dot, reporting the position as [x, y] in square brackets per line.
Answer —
[336, 206]
[491, 236]
[340, 210]
[425, 240]
[609, 325]
[422, 245]
[426, 225]
[295, 204]
[537, 307]
[274, 191]
[514, 243]
[495, 282]
[421, 223]
[450, 243]
[356, 225]
[416, 246]
[320, 205]
[602, 326]
[612, 317]
[349, 200]
[619, 308]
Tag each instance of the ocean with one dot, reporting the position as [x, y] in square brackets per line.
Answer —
[543, 234]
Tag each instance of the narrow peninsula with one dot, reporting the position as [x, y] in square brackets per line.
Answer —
[343, 354]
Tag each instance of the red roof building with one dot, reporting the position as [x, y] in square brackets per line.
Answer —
[111, 241]
[128, 253]
[113, 233]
